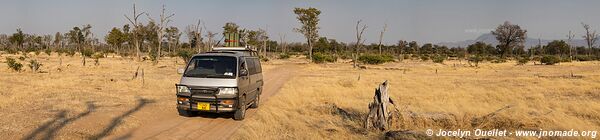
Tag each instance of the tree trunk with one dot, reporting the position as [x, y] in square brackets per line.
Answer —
[380, 114]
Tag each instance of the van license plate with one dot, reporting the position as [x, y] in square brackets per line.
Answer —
[203, 106]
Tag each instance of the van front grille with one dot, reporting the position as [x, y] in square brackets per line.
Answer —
[204, 91]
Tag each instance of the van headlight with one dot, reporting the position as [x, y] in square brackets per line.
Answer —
[228, 91]
[183, 89]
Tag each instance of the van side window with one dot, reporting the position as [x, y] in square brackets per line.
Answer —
[251, 66]
[257, 65]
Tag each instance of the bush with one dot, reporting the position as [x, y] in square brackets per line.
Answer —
[11, 51]
[522, 60]
[22, 58]
[475, 59]
[498, 60]
[375, 59]
[406, 56]
[48, 52]
[97, 57]
[87, 53]
[14, 65]
[34, 65]
[185, 54]
[438, 59]
[550, 60]
[565, 59]
[424, 57]
[583, 58]
[284, 56]
[264, 59]
[321, 58]
[71, 52]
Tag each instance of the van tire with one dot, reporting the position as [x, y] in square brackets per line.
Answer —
[240, 112]
[185, 113]
[256, 102]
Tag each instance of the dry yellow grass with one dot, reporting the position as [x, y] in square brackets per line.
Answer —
[80, 102]
[457, 96]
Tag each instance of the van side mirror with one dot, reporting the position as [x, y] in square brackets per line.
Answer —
[243, 72]
[180, 70]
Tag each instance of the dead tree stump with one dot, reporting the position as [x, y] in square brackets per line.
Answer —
[380, 113]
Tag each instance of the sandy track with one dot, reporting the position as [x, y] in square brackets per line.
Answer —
[169, 125]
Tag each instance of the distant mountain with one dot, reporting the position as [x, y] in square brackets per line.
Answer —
[491, 39]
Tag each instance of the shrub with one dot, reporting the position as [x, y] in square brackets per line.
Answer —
[438, 59]
[284, 56]
[424, 57]
[11, 51]
[498, 60]
[14, 65]
[475, 59]
[87, 52]
[71, 52]
[264, 59]
[583, 58]
[22, 58]
[34, 65]
[48, 52]
[97, 57]
[565, 59]
[522, 60]
[185, 54]
[550, 60]
[321, 58]
[375, 59]
[406, 56]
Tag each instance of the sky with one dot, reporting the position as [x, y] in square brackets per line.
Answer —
[430, 21]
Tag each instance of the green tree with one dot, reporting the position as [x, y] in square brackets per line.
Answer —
[426, 49]
[556, 47]
[479, 48]
[173, 36]
[413, 47]
[17, 38]
[309, 17]
[509, 35]
[115, 38]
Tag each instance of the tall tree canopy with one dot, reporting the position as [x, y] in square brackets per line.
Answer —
[509, 35]
[309, 17]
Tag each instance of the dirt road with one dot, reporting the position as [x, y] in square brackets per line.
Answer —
[169, 125]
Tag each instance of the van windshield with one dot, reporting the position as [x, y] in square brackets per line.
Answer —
[212, 67]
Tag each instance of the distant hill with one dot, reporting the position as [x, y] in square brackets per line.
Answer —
[491, 39]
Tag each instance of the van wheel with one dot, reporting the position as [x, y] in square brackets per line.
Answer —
[256, 102]
[185, 113]
[240, 112]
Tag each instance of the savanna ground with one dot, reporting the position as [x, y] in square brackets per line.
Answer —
[67, 100]
[330, 101]
[322, 101]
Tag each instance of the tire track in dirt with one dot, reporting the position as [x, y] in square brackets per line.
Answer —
[169, 125]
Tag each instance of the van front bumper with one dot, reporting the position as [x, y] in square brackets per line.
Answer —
[216, 105]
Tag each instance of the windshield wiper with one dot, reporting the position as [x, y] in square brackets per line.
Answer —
[217, 76]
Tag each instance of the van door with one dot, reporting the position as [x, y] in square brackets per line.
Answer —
[243, 81]
[251, 63]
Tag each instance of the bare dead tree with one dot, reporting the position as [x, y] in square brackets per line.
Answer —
[210, 43]
[136, 26]
[359, 32]
[198, 35]
[381, 36]
[590, 37]
[264, 39]
[282, 43]
[160, 31]
[570, 37]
